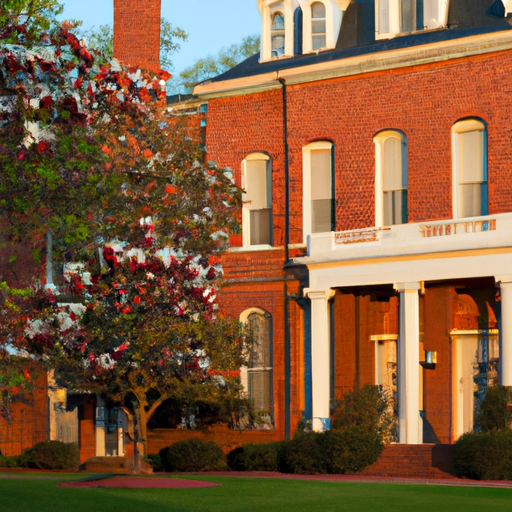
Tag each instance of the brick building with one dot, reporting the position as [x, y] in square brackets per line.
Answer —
[372, 138]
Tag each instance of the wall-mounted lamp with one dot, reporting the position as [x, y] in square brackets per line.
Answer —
[430, 360]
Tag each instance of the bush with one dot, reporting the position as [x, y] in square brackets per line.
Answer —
[484, 455]
[53, 455]
[10, 462]
[255, 457]
[155, 461]
[493, 413]
[349, 450]
[193, 455]
[370, 408]
[303, 454]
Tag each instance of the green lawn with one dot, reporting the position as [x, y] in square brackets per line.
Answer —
[28, 494]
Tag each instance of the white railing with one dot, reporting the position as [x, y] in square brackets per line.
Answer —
[456, 228]
[420, 237]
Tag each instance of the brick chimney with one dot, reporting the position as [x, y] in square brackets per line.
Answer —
[137, 33]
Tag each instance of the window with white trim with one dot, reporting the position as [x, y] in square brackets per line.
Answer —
[390, 178]
[277, 34]
[469, 157]
[317, 188]
[393, 17]
[257, 375]
[277, 29]
[321, 23]
[257, 201]
[318, 29]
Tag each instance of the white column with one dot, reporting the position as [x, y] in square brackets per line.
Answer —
[320, 358]
[505, 283]
[410, 424]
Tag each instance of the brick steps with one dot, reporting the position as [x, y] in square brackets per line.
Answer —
[118, 465]
[414, 461]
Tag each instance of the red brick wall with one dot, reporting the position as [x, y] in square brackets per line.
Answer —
[424, 102]
[87, 440]
[29, 420]
[246, 124]
[256, 280]
[226, 438]
[354, 351]
[137, 33]
[437, 397]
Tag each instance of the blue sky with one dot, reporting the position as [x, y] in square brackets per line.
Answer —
[210, 24]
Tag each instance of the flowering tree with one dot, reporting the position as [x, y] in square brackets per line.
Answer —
[143, 330]
[16, 382]
[89, 156]
[86, 152]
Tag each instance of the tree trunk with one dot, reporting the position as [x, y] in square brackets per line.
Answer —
[141, 426]
[142, 416]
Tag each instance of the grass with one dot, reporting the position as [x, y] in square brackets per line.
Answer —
[28, 494]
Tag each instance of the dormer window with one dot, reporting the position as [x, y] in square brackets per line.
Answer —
[321, 23]
[318, 25]
[277, 34]
[401, 16]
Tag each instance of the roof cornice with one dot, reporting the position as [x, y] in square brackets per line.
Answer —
[430, 53]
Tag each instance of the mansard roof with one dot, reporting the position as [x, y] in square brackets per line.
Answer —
[357, 37]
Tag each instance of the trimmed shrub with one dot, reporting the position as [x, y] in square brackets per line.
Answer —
[155, 461]
[370, 408]
[302, 455]
[349, 450]
[255, 457]
[53, 455]
[484, 455]
[493, 413]
[193, 455]
[9, 462]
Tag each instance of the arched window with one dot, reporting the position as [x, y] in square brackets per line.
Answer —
[277, 34]
[257, 376]
[318, 184]
[390, 178]
[318, 30]
[257, 203]
[469, 157]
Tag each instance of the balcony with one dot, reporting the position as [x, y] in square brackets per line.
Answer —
[430, 250]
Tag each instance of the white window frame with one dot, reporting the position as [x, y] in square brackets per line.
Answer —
[435, 15]
[267, 9]
[277, 33]
[318, 34]
[245, 370]
[306, 183]
[246, 211]
[379, 141]
[465, 126]
[334, 11]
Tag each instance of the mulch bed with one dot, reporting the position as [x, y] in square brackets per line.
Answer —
[140, 482]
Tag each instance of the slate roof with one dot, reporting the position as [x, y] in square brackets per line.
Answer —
[357, 37]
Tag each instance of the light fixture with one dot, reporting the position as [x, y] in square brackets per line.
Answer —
[430, 360]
